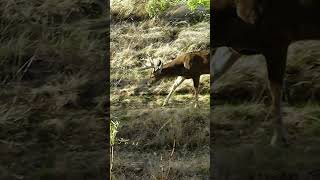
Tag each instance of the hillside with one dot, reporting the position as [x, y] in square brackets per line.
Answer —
[52, 89]
[170, 142]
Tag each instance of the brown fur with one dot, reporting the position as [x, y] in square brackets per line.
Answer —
[188, 65]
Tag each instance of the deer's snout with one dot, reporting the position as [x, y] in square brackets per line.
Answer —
[152, 81]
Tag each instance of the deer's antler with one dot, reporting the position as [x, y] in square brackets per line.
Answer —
[147, 66]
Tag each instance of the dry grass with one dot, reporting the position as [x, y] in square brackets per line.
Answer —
[242, 130]
[52, 89]
[128, 10]
[242, 134]
[155, 142]
[149, 136]
[131, 43]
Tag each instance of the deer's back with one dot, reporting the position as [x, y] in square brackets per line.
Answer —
[196, 63]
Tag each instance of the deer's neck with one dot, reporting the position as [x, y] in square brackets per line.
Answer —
[172, 69]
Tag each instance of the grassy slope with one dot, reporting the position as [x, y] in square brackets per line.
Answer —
[52, 76]
[150, 133]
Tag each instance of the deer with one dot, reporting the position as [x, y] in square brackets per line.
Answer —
[266, 27]
[189, 65]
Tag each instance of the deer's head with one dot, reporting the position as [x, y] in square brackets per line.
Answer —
[156, 74]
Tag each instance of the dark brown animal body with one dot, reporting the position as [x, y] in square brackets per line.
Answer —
[266, 27]
[189, 65]
[185, 66]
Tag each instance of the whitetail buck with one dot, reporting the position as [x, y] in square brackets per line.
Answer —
[185, 66]
[266, 27]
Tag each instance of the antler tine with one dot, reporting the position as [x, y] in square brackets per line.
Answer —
[147, 66]
[151, 62]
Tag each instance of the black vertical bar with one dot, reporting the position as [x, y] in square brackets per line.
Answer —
[107, 65]
[211, 169]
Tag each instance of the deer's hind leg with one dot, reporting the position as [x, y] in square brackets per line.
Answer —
[196, 81]
[176, 84]
[276, 63]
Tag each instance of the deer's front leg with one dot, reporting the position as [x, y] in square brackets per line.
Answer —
[176, 84]
[276, 63]
[196, 81]
[279, 135]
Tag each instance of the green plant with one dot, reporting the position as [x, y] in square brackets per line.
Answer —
[113, 132]
[193, 4]
[157, 7]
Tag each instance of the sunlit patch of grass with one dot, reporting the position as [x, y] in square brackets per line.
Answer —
[128, 9]
[146, 126]
[133, 43]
